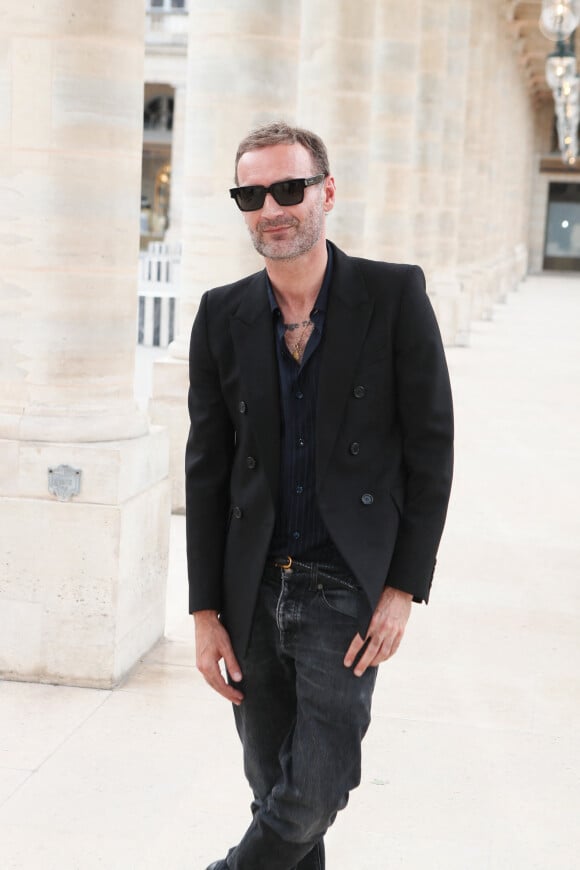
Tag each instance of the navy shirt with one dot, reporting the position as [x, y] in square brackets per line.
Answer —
[299, 529]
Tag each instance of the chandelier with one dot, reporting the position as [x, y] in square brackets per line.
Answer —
[558, 21]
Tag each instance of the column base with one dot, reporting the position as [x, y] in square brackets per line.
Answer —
[168, 407]
[451, 306]
[82, 582]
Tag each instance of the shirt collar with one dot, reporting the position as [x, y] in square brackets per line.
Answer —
[322, 298]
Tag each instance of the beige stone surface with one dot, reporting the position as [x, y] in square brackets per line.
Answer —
[112, 471]
[82, 583]
[169, 407]
[472, 759]
[69, 219]
[335, 80]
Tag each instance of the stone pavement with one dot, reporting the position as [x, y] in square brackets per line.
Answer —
[473, 758]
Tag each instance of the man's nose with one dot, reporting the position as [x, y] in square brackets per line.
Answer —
[270, 206]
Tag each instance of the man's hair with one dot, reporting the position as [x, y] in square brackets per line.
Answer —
[280, 133]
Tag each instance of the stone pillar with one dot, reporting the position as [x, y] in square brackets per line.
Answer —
[82, 582]
[389, 217]
[492, 163]
[242, 71]
[540, 188]
[510, 201]
[334, 100]
[471, 226]
[173, 235]
[445, 285]
[428, 132]
[520, 192]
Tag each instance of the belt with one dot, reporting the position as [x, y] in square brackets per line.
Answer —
[321, 574]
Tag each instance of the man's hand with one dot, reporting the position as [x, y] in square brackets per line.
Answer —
[212, 643]
[385, 631]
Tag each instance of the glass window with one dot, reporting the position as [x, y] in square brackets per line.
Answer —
[562, 250]
[166, 5]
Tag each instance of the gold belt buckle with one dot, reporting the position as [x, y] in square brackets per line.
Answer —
[284, 565]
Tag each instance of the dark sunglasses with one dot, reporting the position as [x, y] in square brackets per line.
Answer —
[289, 192]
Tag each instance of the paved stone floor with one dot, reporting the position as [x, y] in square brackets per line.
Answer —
[473, 758]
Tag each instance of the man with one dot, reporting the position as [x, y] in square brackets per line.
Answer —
[318, 470]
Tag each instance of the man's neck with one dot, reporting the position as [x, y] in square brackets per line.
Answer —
[296, 282]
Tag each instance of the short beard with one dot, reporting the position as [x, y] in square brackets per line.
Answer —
[308, 234]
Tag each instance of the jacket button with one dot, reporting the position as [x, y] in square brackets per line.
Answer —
[251, 462]
[242, 407]
[359, 392]
[367, 498]
[354, 448]
[237, 513]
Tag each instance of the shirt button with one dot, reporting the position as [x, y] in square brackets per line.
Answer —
[251, 462]
[354, 448]
[299, 489]
[299, 395]
[359, 392]
[295, 535]
[242, 407]
[367, 498]
[237, 513]
[301, 442]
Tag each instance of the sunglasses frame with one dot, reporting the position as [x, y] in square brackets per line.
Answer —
[305, 182]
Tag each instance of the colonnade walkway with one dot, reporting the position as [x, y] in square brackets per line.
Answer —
[473, 757]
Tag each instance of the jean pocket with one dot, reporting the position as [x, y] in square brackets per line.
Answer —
[344, 601]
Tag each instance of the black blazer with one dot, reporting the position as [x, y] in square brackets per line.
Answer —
[384, 437]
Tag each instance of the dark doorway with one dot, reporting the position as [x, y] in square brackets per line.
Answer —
[562, 248]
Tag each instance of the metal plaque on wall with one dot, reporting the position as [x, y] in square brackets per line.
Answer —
[64, 482]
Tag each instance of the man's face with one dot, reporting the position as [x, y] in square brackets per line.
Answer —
[285, 232]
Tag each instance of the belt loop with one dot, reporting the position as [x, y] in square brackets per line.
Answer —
[314, 576]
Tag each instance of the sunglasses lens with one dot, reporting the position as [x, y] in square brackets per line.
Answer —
[288, 192]
[250, 198]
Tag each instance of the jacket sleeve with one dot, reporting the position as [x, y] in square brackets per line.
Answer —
[426, 416]
[208, 458]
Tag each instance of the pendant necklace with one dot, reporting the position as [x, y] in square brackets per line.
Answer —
[297, 349]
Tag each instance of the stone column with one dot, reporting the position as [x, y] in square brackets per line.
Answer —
[491, 163]
[173, 235]
[540, 188]
[519, 183]
[82, 582]
[445, 285]
[334, 100]
[389, 217]
[472, 228]
[428, 133]
[509, 200]
[242, 71]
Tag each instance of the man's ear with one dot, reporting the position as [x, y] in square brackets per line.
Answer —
[329, 193]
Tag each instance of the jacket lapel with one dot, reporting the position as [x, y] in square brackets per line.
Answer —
[347, 321]
[253, 337]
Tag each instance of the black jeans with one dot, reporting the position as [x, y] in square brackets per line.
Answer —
[303, 717]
